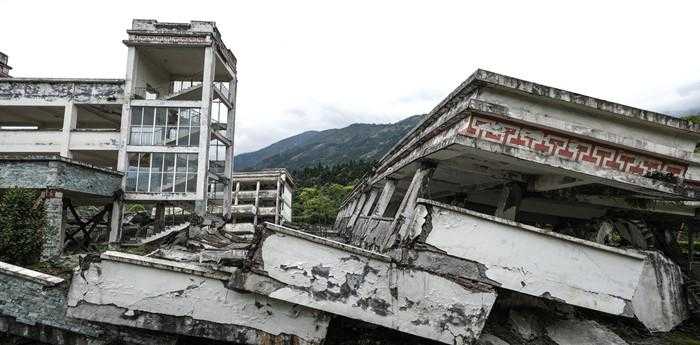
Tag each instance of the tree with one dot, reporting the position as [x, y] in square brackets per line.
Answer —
[22, 220]
[319, 205]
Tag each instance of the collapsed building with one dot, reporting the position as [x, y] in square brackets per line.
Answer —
[510, 203]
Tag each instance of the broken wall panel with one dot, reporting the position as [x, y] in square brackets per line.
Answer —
[363, 285]
[554, 266]
[17, 90]
[160, 295]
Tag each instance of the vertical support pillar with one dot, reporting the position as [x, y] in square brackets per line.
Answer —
[230, 134]
[159, 223]
[356, 211]
[257, 202]
[205, 131]
[509, 203]
[277, 203]
[122, 157]
[54, 230]
[235, 201]
[370, 202]
[70, 121]
[115, 233]
[385, 197]
[404, 215]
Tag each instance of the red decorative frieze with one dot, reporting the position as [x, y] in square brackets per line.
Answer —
[548, 143]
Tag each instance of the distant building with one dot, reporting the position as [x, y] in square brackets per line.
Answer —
[164, 133]
[4, 67]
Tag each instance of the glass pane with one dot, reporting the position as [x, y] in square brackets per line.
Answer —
[155, 182]
[159, 135]
[192, 183]
[131, 180]
[161, 116]
[169, 162]
[148, 113]
[136, 115]
[183, 137]
[194, 136]
[147, 136]
[171, 136]
[184, 117]
[192, 163]
[135, 136]
[143, 180]
[181, 163]
[172, 116]
[167, 183]
[194, 115]
[157, 165]
[133, 161]
[180, 182]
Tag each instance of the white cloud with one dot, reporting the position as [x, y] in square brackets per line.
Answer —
[312, 65]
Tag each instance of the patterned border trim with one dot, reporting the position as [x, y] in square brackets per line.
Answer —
[552, 144]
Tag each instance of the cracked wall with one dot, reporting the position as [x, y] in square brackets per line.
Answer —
[177, 298]
[362, 285]
[543, 264]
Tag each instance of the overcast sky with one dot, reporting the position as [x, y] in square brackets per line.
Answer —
[313, 65]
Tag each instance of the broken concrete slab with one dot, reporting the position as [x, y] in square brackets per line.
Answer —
[659, 300]
[33, 306]
[140, 292]
[318, 273]
[537, 262]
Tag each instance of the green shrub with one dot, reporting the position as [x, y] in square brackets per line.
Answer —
[21, 224]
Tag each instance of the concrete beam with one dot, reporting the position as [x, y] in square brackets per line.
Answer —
[161, 295]
[545, 264]
[363, 285]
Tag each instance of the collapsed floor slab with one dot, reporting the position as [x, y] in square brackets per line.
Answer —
[555, 266]
[161, 295]
[337, 278]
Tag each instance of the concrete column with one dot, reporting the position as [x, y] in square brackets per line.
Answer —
[54, 230]
[370, 201]
[159, 223]
[122, 158]
[385, 197]
[115, 233]
[205, 132]
[356, 211]
[257, 202]
[277, 203]
[230, 152]
[509, 203]
[404, 215]
[70, 121]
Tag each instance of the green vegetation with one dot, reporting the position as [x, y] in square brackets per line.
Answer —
[328, 147]
[321, 189]
[21, 222]
[692, 118]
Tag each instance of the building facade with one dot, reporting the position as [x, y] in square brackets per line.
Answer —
[167, 128]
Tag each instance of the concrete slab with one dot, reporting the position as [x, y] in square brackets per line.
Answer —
[140, 292]
[359, 284]
[540, 263]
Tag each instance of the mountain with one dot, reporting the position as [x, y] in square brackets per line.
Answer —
[329, 147]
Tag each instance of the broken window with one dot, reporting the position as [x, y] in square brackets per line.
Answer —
[162, 173]
[160, 126]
